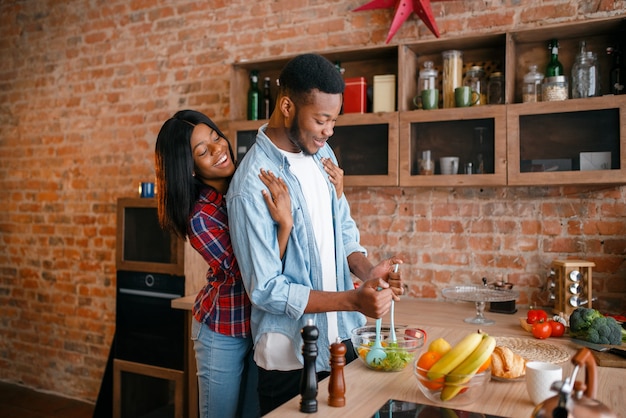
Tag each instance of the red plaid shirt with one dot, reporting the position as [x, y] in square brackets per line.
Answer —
[222, 303]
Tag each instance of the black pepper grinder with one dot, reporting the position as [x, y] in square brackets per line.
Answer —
[337, 383]
[308, 381]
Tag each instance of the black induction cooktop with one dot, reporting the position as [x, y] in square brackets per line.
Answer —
[401, 409]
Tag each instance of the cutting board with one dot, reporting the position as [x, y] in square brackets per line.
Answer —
[608, 359]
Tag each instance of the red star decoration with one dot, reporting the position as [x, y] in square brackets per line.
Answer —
[403, 9]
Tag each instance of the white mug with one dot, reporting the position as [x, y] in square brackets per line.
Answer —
[539, 378]
[449, 165]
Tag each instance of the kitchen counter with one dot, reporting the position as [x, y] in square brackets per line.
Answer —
[367, 390]
[184, 303]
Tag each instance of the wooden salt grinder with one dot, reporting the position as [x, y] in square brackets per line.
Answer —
[308, 380]
[337, 383]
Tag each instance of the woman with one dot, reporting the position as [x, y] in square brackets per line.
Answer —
[194, 165]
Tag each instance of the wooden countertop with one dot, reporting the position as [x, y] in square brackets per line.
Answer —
[185, 303]
[367, 390]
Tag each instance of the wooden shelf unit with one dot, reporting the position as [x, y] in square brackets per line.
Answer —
[553, 128]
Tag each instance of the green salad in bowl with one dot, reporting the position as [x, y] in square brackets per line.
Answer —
[397, 355]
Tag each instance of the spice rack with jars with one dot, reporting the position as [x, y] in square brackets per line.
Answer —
[516, 127]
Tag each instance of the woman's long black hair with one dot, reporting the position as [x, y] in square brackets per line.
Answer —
[177, 188]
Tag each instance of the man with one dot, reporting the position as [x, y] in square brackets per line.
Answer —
[313, 279]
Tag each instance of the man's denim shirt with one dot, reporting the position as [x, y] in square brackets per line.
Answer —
[279, 289]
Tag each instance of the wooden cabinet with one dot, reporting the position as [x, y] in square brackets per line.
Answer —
[524, 143]
[366, 144]
[580, 141]
[575, 141]
[476, 135]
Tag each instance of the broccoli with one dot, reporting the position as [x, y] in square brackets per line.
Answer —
[590, 325]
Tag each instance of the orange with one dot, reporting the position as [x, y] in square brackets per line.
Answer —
[485, 365]
[425, 362]
[363, 352]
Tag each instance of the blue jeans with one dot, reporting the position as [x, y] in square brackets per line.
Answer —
[227, 374]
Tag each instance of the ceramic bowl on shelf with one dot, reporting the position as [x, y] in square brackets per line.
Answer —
[397, 355]
[453, 390]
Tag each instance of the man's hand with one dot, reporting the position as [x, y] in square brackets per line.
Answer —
[374, 298]
[384, 270]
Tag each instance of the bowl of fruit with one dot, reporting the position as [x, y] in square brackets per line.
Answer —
[390, 355]
[455, 375]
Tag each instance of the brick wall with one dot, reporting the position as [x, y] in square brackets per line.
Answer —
[84, 88]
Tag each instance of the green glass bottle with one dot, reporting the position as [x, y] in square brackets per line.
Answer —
[254, 96]
[554, 67]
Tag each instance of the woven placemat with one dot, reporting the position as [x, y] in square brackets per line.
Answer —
[533, 350]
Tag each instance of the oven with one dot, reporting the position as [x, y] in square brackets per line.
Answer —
[149, 350]
[148, 330]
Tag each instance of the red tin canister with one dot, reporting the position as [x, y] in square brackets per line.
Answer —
[355, 95]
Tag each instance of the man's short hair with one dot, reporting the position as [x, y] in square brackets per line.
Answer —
[308, 72]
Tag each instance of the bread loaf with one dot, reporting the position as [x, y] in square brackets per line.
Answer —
[506, 364]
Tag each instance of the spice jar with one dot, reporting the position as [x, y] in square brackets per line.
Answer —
[475, 79]
[531, 91]
[554, 89]
[426, 164]
[452, 75]
[495, 88]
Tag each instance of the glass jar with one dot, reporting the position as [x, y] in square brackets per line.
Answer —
[531, 91]
[428, 77]
[495, 88]
[554, 89]
[585, 75]
[475, 79]
[452, 75]
[427, 88]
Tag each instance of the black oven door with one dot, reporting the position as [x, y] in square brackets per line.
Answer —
[148, 329]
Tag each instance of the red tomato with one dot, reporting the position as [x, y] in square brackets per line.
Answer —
[536, 315]
[557, 329]
[542, 330]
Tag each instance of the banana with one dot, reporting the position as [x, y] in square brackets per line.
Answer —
[455, 356]
[464, 372]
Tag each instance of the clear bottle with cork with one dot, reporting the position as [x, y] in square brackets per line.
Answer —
[254, 96]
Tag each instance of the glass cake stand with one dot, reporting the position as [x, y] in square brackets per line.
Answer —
[480, 295]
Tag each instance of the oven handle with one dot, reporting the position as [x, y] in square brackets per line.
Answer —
[146, 293]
